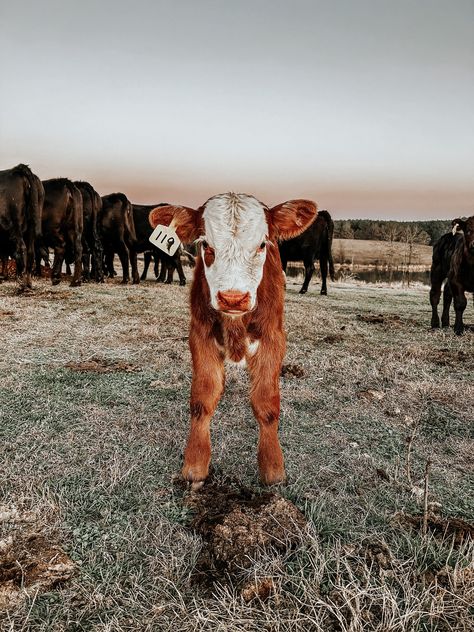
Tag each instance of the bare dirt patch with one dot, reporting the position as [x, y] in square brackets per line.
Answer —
[294, 370]
[237, 524]
[391, 320]
[102, 365]
[29, 562]
[455, 528]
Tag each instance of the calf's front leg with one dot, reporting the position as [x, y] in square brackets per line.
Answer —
[264, 369]
[206, 390]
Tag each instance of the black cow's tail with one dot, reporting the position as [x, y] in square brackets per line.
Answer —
[330, 233]
[35, 197]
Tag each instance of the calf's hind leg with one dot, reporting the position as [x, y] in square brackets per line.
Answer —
[206, 390]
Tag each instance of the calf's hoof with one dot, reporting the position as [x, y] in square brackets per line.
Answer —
[182, 282]
[272, 476]
[302, 291]
[459, 331]
[55, 281]
[136, 282]
[195, 473]
[124, 282]
[324, 292]
[434, 323]
[75, 283]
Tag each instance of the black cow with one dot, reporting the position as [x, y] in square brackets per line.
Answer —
[453, 261]
[62, 224]
[21, 204]
[91, 244]
[117, 233]
[143, 232]
[314, 243]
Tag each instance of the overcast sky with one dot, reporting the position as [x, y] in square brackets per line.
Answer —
[365, 106]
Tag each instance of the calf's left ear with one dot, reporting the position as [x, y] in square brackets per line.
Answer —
[291, 218]
[187, 222]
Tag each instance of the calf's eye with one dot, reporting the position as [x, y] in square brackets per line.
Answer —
[205, 244]
[262, 247]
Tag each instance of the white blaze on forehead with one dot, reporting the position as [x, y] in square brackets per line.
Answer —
[235, 227]
[234, 220]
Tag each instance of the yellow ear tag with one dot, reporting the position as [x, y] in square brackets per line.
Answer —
[165, 238]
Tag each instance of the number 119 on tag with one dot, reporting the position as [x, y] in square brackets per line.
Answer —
[165, 238]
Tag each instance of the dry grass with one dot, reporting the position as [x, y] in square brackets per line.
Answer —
[363, 252]
[94, 454]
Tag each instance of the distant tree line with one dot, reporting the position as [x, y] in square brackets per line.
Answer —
[422, 232]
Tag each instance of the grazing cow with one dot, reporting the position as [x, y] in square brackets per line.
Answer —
[453, 261]
[117, 231]
[314, 243]
[142, 244]
[62, 223]
[91, 244]
[21, 204]
[237, 298]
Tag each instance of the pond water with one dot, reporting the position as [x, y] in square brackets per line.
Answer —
[369, 275]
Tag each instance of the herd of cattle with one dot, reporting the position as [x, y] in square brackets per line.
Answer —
[87, 230]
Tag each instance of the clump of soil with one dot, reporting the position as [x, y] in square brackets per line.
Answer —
[333, 338]
[29, 563]
[295, 370]
[455, 528]
[393, 320]
[448, 357]
[371, 395]
[373, 319]
[102, 365]
[236, 525]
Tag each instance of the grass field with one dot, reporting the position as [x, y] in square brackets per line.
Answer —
[94, 384]
[364, 252]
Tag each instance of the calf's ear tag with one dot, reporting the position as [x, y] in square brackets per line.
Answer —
[165, 238]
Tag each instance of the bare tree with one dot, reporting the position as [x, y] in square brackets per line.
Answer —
[412, 234]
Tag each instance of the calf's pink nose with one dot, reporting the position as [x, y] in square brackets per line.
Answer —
[233, 300]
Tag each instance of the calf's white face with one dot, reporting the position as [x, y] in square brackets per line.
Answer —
[234, 250]
[234, 232]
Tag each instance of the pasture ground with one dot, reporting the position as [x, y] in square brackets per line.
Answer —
[94, 384]
[371, 252]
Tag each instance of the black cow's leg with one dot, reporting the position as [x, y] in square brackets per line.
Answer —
[76, 241]
[179, 270]
[134, 264]
[435, 294]
[323, 266]
[460, 303]
[86, 262]
[170, 273]
[447, 298]
[162, 276]
[59, 252]
[109, 263]
[308, 270]
[156, 265]
[122, 252]
[146, 264]
[21, 263]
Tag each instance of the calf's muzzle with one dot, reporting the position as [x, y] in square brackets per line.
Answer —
[233, 301]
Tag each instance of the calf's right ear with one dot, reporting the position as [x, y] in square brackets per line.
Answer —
[187, 222]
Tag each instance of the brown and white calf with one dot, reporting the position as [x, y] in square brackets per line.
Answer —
[237, 299]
